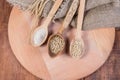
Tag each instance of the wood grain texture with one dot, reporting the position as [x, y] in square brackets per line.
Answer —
[10, 69]
[38, 61]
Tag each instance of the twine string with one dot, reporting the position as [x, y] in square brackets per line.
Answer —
[36, 9]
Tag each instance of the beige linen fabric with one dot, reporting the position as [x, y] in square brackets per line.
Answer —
[98, 13]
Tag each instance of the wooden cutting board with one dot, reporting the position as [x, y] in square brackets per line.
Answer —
[37, 60]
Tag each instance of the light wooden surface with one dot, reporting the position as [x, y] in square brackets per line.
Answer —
[98, 43]
[10, 69]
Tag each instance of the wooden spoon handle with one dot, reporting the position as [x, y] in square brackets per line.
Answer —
[69, 15]
[52, 12]
[80, 15]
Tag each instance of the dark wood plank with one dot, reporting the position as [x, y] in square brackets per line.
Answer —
[117, 40]
[10, 68]
[110, 70]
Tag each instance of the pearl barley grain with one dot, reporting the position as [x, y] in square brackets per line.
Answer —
[77, 49]
[56, 44]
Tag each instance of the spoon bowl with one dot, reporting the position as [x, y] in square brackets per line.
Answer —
[56, 44]
[39, 36]
[77, 48]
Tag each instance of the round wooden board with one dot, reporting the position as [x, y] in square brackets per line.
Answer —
[37, 60]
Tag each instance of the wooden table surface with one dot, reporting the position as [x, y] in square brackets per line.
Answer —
[10, 68]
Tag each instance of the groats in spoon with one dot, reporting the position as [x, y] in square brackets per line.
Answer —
[40, 34]
[56, 42]
[77, 47]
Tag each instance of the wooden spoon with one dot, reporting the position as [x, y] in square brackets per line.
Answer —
[57, 40]
[77, 47]
[40, 34]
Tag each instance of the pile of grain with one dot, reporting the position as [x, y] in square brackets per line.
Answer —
[77, 49]
[56, 44]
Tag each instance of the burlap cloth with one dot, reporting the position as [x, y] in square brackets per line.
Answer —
[98, 13]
